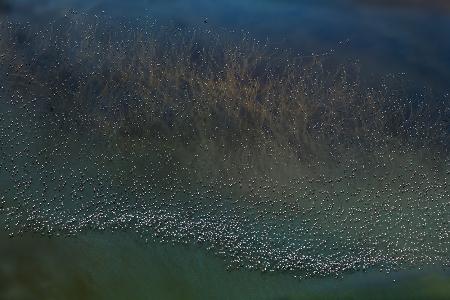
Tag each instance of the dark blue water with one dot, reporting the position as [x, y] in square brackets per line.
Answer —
[404, 40]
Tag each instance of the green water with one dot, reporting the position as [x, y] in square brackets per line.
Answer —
[100, 190]
[105, 266]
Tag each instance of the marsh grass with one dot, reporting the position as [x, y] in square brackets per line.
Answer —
[191, 87]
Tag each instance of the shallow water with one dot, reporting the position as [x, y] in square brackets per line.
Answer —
[231, 179]
[118, 266]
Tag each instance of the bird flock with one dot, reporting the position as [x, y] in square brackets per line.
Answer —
[388, 213]
[387, 209]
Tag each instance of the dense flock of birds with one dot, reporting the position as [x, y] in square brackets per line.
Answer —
[388, 213]
[387, 210]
